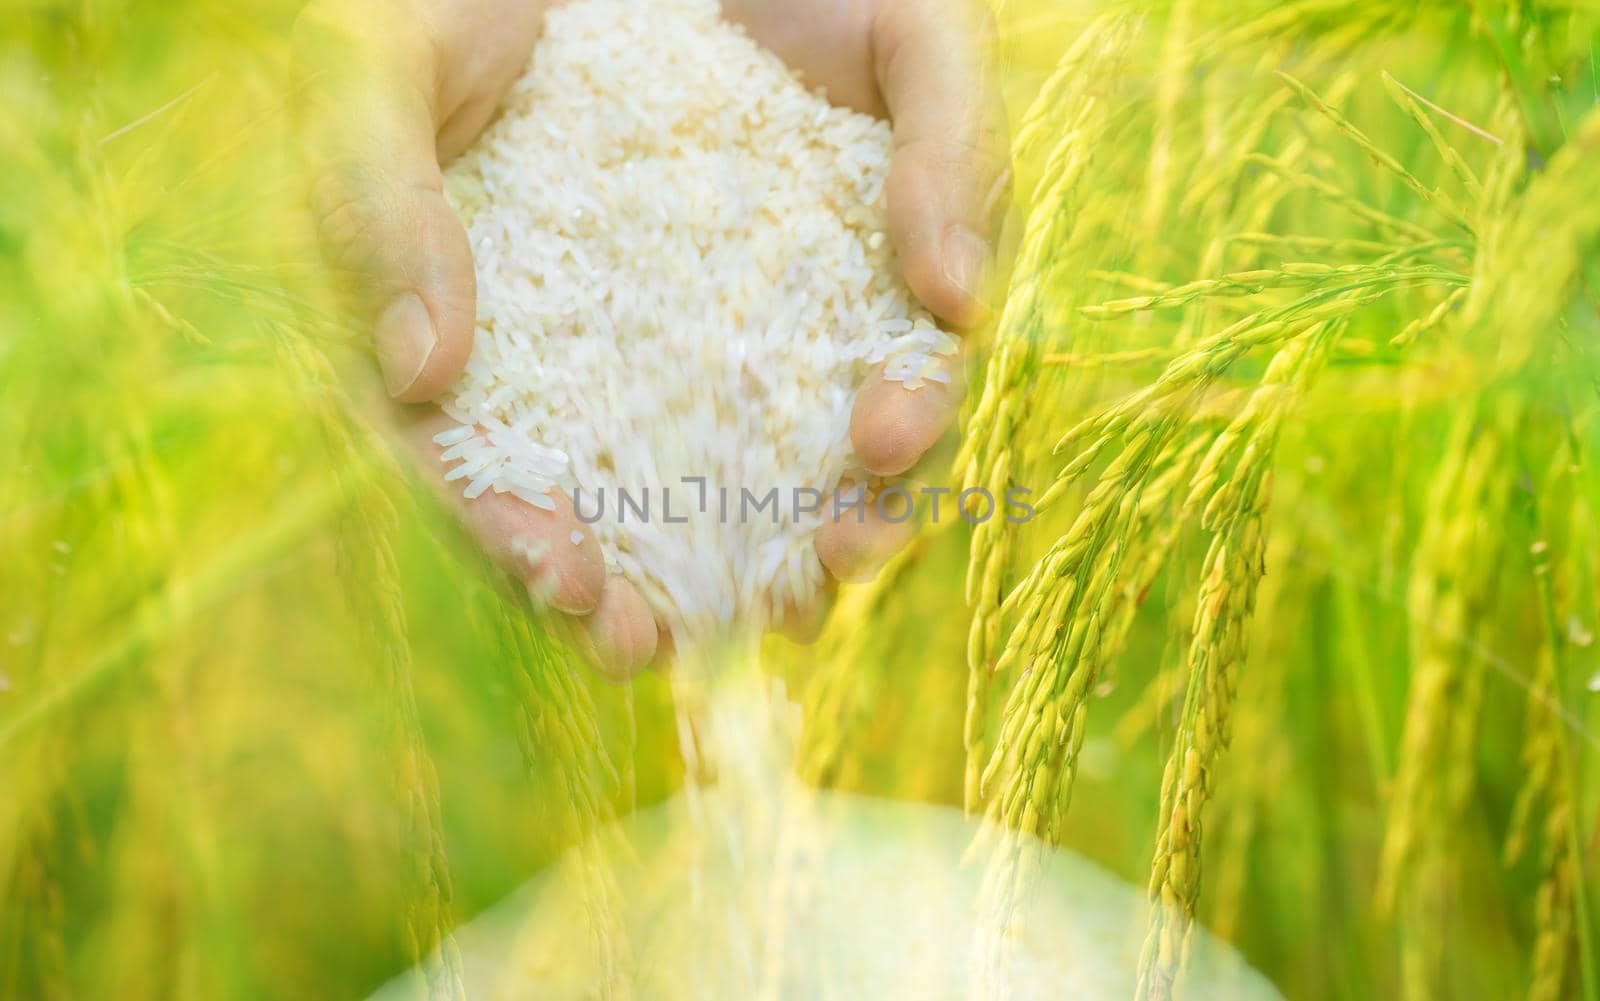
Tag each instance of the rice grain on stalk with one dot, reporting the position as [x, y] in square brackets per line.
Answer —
[1452, 586]
[1544, 820]
[1234, 510]
[1065, 110]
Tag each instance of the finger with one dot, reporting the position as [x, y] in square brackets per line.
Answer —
[367, 133]
[855, 544]
[804, 624]
[561, 565]
[550, 552]
[558, 560]
[666, 649]
[948, 173]
[483, 47]
[827, 45]
[623, 630]
[893, 425]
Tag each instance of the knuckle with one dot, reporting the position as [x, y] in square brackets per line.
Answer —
[971, 155]
[349, 204]
[365, 217]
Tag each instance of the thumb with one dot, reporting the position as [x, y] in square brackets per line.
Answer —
[367, 133]
[949, 171]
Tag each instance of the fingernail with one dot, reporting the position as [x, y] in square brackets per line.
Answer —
[406, 340]
[575, 607]
[549, 588]
[966, 256]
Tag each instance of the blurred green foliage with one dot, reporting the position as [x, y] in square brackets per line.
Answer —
[269, 727]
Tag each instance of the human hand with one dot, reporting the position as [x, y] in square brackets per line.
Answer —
[391, 93]
[924, 65]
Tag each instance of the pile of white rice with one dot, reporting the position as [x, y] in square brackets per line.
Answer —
[682, 273]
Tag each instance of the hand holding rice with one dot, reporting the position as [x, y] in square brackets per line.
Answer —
[683, 275]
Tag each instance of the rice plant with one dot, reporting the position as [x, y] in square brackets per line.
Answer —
[1297, 359]
[1436, 259]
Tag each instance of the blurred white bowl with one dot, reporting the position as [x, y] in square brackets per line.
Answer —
[814, 895]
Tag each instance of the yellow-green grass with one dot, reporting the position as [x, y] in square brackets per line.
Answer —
[1306, 289]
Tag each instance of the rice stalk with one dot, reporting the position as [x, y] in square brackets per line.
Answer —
[1402, 96]
[839, 696]
[1067, 102]
[1156, 532]
[1056, 643]
[1452, 589]
[1301, 18]
[1175, 69]
[1042, 732]
[1059, 606]
[1512, 316]
[1259, 759]
[1218, 198]
[1436, 198]
[1432, 320]
[1380, 220]
[1298, 243]
[429, 922]
[562, 744]
[166, 792]
[1514, 42]
[1195, 369]
[1229, 201]
[1105, 360]
[1538, 251]
[1245, 283]
[1234, 565]
[1560, 909]
[1544, 756]
[1062, 94]
[365, 555]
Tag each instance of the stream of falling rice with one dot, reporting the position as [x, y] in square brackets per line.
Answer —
[737, 732]
[752, 815]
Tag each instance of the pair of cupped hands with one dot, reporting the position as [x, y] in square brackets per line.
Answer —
[391, 90]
